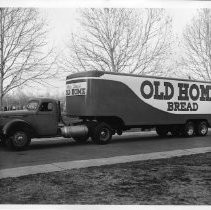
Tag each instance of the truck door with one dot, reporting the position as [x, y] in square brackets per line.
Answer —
[46, 119]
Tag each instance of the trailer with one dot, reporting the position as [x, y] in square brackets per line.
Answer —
[119, 102]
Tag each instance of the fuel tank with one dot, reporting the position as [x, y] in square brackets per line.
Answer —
[74, 131]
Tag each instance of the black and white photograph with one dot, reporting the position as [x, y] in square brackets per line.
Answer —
[105, 104]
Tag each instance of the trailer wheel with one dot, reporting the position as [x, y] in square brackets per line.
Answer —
[102, 134]
[19, 140]
[201, 128]
[162, 131]
[189, 129]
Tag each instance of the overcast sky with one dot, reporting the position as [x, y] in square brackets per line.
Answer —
[62, 20]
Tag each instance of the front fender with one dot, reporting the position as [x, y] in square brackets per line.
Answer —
[17, 124]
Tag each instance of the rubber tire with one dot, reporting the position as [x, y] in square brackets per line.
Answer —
[81, 139]
[97, 137]
[186, 129]
[119, 132]
[10, 142]
[199, 128]
[162, 131]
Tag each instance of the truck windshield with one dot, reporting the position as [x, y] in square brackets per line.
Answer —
[32, 105]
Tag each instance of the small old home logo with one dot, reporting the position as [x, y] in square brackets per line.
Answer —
[180, 97]
[76, 89]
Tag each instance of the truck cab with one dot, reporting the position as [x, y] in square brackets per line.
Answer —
[46, 116]
[40, 119]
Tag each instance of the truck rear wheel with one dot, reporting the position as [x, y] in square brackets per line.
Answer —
[189, 129]
[19, 140]
[201, 128]
[102, 134]
[162, 130]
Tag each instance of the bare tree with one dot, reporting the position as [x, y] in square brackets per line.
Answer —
[120, 40]
[24, 57]
[197, 43]
[18, 99]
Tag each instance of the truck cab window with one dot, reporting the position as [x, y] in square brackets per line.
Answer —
[46, 107]
[32, 105]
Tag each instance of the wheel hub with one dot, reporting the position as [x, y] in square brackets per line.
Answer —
[104, 134]
[203, 130]
[19, 139]
[190, 131]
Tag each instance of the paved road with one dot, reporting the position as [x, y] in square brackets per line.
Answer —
[58, 150]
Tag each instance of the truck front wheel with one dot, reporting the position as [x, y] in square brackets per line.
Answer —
[19, 140]
[102, 134]
[201, 128]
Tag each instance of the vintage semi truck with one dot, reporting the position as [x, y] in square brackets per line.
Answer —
[109, 103]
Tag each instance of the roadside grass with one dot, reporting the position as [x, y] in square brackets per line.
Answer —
[179, 180]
